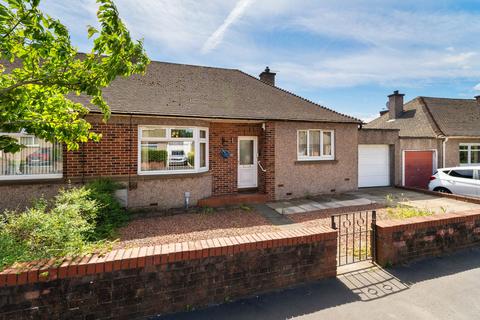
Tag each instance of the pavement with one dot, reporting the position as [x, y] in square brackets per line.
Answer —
[386, 195]
[435, 288]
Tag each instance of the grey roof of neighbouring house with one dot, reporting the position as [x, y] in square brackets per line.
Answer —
[169, 89]
[432, 117]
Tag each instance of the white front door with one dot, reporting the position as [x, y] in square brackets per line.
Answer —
[247, 162]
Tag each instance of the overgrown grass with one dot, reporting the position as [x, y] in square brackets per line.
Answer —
[77, 221]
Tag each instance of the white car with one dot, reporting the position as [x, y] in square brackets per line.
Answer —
[458, 180]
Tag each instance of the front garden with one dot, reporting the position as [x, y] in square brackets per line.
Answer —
[82, 220]
[78, 221]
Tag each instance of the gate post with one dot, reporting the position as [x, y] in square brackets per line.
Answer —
[373, 240]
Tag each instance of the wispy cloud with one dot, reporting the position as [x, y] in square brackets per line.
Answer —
[477, 87]
[216, 37]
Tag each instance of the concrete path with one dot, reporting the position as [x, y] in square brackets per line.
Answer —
[271, 215]
[438, 288]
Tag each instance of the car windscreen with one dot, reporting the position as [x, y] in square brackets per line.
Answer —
[462, 173]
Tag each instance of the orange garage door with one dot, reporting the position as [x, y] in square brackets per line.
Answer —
[418, 168]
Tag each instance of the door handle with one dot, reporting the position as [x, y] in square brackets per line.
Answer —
[261, 167]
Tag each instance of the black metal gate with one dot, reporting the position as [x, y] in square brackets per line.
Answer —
[356, 236]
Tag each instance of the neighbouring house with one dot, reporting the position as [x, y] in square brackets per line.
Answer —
[408, 142]
[189, 132]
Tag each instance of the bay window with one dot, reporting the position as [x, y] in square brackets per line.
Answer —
[171, 150]
[469, 153]
[315, 144]
[38, 159]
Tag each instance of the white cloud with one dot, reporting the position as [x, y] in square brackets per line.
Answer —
[217, 36]
[477, 87]
[337, 44]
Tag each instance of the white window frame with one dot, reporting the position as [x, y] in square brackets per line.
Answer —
[322, 156]
[469, 153]
[38, 176]
[196, 139]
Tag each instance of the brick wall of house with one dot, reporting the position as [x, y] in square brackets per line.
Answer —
[115, 154]
[139, 282]
[224, 170]
[399, 241]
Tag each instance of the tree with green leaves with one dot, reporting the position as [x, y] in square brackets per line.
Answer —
[40, 71]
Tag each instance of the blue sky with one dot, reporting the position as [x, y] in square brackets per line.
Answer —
[347, 55]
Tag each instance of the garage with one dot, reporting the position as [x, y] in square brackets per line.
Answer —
[418, 168]
[373, 165]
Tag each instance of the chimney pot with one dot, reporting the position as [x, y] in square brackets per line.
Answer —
[268, 77]
[395, 105]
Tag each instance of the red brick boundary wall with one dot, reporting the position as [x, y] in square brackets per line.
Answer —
[139, 282]
[400, 241]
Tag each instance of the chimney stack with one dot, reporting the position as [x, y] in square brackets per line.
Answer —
[268, 77]
[395, 104]
[478, 99]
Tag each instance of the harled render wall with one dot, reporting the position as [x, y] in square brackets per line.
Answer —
[452, 151]
[294, 179]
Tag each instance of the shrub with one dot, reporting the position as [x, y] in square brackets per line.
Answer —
[110, 215]
[40, 233]
[76, 222]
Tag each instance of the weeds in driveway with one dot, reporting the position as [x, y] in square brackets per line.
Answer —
[405, 212]
[245, 207]
[396, 210]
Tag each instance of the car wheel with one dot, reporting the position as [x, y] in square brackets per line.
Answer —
[442, 190]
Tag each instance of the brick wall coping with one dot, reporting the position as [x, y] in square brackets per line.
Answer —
[427, 221]
[442, 194]
[140, 257]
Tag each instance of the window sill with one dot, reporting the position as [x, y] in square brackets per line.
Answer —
[29, 179]
[169, 175]
[302, 162]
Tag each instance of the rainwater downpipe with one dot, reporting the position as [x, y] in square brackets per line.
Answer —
[443, 152]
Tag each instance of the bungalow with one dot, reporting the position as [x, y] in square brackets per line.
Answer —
[419, 137]
[184, 132]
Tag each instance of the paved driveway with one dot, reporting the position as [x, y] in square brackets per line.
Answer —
[414, 199]
[385, 195]
[438, 288]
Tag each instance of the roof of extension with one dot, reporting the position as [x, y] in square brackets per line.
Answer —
[426, 117]
[169, 89]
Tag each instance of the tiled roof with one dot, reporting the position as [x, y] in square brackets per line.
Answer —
[414, 121]
[455, 117]
[169, 89]
[433, 117]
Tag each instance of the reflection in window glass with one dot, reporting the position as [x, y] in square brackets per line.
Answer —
[314, 143]
[154, 133]
[203, 134]
[168, 155]
[468, 174]
[327, 143]
[203, 154]
[302, 143]
[246, 152]
[37, 158]
[469, 154]
[181, 133]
